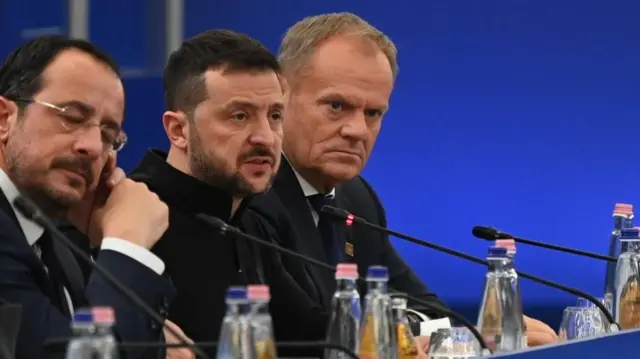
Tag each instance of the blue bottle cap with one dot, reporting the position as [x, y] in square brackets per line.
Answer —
[378, 272]
[629, 233]
[83, 316]
[236, 293]
[497, 252]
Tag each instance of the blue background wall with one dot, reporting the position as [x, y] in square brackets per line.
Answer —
[519, 114]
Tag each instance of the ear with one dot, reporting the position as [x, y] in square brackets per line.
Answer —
[176, 125]
[8, 116]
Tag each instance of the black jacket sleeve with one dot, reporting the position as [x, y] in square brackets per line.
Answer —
[296, 317]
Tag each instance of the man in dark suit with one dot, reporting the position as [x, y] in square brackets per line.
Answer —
[61, 112]
[340, 72]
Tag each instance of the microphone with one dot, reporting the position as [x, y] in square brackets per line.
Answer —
[226, 229]
[492, 234]
[33, 213]
[350, 218]
[59, 345]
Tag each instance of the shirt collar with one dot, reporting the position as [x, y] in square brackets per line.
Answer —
[31, 230]
[307, 188]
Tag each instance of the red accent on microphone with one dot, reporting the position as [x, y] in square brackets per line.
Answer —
[349, 221]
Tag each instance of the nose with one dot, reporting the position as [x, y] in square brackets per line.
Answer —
[263, 133]
[355, 127]
[89, 142]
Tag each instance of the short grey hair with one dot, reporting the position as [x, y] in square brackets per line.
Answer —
[301, 40]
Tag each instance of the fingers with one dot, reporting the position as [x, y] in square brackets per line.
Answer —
[115, 177]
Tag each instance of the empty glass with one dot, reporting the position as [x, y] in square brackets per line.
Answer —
[453, 343]
[581, 322]
[607, 301]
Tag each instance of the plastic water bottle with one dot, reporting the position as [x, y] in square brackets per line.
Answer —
[236, 340]
[260, 321]
[104, 319]
[82, 345]
[501, 321]
[344, 325]
[378, 337]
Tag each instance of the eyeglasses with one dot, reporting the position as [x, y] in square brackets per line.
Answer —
[75, 117]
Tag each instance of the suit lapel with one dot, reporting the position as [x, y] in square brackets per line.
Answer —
[309, 241]
[24, 251]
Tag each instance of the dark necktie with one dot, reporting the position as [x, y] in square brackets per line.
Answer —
[326, 227]
[55, 272]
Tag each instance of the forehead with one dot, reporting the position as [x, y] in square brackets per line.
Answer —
[262, 87]
[77, 76]
[351, 65]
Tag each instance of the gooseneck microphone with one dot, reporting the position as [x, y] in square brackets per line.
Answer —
[33, 213]
[228, 230]
[492, 234]
[341, 214]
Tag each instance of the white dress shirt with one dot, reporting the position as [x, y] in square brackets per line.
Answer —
[309, 191]
[33, 231]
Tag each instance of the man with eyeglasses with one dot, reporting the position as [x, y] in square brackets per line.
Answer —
[61, 111]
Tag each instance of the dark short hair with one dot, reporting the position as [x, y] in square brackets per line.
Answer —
[21, 71]
[184, 85]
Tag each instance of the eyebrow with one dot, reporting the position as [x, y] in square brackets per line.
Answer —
[88, 110]
[251, 105]
[333, 96]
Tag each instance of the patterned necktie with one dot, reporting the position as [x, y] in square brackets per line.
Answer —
[326, 227]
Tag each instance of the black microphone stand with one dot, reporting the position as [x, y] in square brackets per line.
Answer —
[344, 215]
[226, 229]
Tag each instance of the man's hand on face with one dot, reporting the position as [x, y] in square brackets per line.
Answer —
[81, 214]
[121, 208]
[538, 333]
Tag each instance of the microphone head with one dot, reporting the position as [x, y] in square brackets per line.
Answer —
[335, 212]
[213, 221]
[27, 208]
[487, 233]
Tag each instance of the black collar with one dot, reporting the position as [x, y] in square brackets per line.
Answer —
[180, 190]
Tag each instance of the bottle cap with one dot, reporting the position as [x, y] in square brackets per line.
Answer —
[258, 292]
[347, 270]
[83, 316]
[629, 233]
[399, 303]
[236, 293]
[103, 315]
[497, 252]
[623, 209]
[508, 244]
[378, 272]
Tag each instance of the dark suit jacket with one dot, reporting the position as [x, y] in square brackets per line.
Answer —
[287, 210]
[9, 326]
[23, 280]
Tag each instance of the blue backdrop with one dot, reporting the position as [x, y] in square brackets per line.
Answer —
[518, 114]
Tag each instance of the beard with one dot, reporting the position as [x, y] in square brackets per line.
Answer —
[32, 181]
[214, 171]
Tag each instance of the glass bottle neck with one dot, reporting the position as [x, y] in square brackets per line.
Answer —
[377, 286]
[346, 284]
